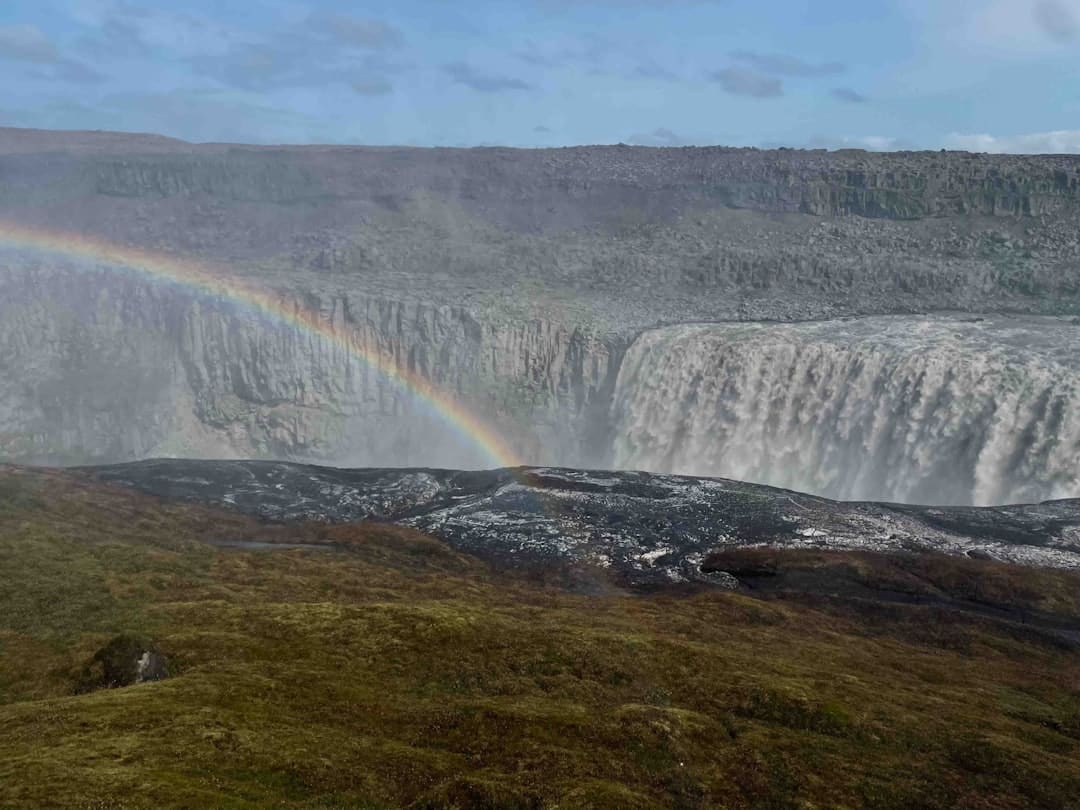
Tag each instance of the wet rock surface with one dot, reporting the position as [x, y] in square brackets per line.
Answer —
[645, 529]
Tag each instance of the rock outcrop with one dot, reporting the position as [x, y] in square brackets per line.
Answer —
[126, 660]
[647, 529]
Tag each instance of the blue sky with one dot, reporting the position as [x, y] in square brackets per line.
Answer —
[994, 75]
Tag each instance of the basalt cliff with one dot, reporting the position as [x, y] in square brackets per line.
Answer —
[606, 306]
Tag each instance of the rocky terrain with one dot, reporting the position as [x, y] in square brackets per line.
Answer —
[645, 529]
[516, 280]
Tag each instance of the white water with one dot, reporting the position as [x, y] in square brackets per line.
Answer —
[926, 410]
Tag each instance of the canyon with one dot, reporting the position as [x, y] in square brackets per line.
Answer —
[860, 326]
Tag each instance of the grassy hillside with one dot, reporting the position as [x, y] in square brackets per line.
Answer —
[383, 669]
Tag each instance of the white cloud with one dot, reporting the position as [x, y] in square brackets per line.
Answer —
[872, 143]
[662, 137]
[1062, 141]
[28, 44]
[1057, 19]
[1017, 27]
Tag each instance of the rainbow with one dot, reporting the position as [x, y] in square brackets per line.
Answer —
[166, 269]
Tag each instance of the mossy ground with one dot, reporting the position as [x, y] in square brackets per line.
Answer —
[393, 671]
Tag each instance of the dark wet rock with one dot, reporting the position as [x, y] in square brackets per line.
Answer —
[644, 529]
[125, 661]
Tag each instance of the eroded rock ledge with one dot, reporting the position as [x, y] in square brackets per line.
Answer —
[647, 529]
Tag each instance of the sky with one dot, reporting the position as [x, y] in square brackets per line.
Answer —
[982, 75]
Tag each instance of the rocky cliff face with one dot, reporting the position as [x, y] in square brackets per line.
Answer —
[98, 365]
[618, 236]
[514, 280]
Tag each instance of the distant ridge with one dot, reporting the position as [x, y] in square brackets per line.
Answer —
[26, 140]
[16, 140]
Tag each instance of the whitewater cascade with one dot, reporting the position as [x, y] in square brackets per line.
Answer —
[930, 410]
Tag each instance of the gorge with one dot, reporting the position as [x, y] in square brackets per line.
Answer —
[859, 326]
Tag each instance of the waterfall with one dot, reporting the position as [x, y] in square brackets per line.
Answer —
[930, 410]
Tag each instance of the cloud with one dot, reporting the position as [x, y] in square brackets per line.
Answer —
[871, 143]
[654, 72]
[117, 36]
[71, 72]
[1013, 28]
[542, 130]
[662, 136]
[260, 66]
[590, 49]
[121, 29]
[780, 65]
[324, 49]
[1056, 20]
[877, 143]
[597, 54]
[27, 43]
[1062, 141]
[356, 32]
[848, 95]
[466, 74]
[742, 82]
[374, 86]
[532, 55]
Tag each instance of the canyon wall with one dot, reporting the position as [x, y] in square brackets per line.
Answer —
[99, 365]
[515, 281]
